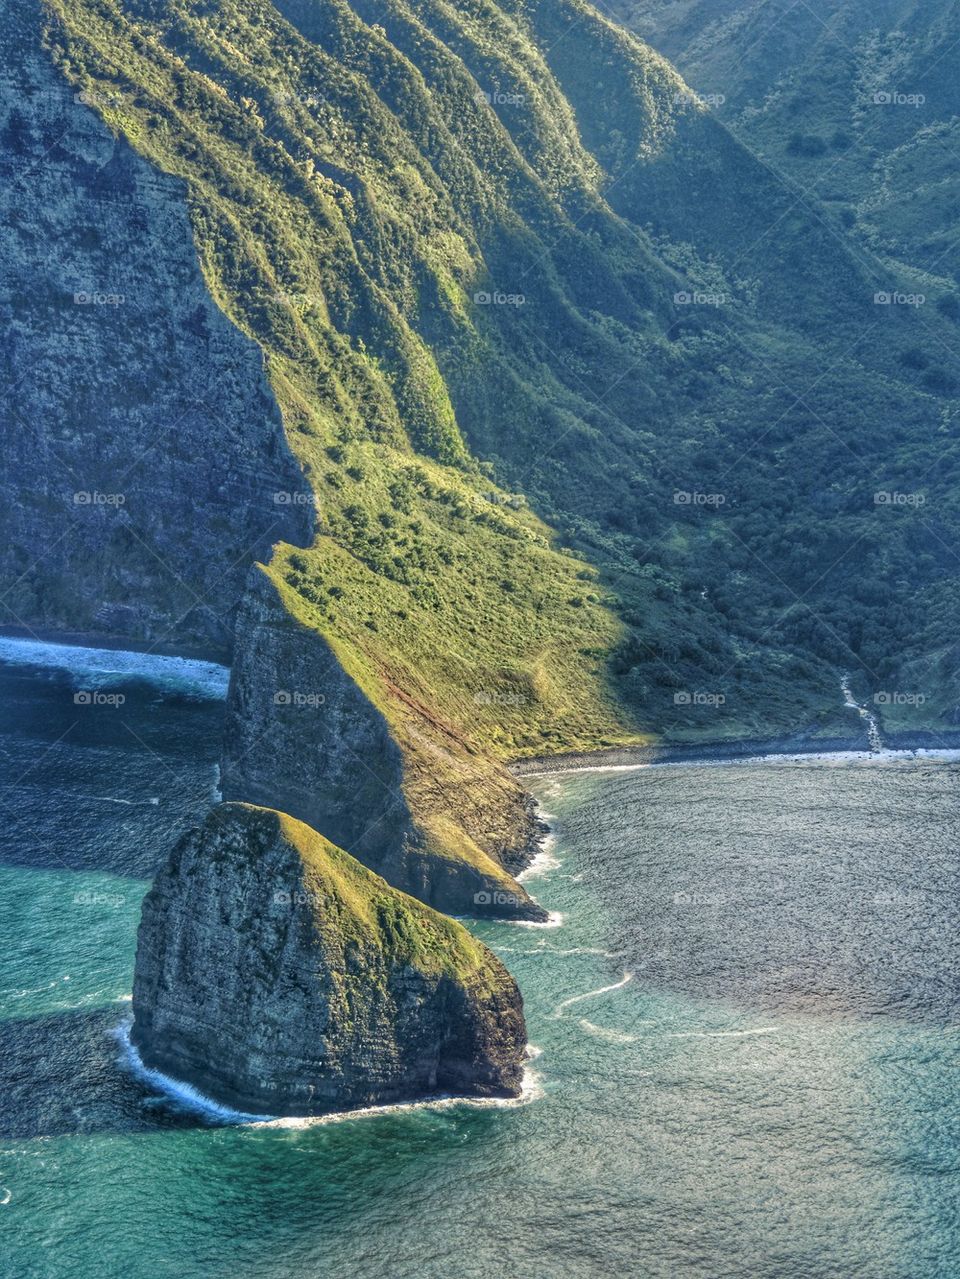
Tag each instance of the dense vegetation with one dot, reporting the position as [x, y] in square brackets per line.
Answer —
[359, 912]
[855, 103]
[853, 107]
[506, 269]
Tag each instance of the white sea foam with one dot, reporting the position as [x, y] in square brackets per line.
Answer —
[6, 1196]
[104, 666]
[946, 755]
[545, 860]
[113, 799]
[554, 920]
[193, 1099]
[722, 1034]
[611, 1036]
[531, 1090]
[588, 950]
[32, 990]
[590, 994]
[186, 1094]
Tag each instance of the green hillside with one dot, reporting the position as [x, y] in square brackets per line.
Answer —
[505, 269]
[854, 103]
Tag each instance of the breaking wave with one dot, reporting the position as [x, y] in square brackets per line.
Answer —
[192, 1099]
[102, 667]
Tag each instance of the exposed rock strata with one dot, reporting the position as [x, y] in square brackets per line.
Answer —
[144, 462]
[279, 976]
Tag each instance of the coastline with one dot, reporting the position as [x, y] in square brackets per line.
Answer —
[102, 668]
[216, 1113]
[799, 744]
[113, 642]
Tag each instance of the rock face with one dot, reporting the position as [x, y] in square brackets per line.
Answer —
[279, 976]
[144, 461]
[302, 736]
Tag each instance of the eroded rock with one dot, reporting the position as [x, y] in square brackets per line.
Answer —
[278, 975]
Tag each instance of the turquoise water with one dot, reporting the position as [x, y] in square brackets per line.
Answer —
[747, 1024]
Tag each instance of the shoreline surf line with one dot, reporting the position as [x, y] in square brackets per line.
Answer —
[193, 1099]
[67, 638]
[553, 920]
[545, 859]
[102, 667]
[889, 755]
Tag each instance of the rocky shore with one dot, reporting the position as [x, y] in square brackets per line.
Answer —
[748, 748]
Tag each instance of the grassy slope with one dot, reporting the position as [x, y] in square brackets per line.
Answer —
[422, 550]
[358, 908]
[799, 85]
[352, 190]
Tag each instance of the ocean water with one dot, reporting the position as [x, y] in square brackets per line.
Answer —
[746, 1028]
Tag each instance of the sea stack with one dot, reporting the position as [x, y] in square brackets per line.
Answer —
[279, 976]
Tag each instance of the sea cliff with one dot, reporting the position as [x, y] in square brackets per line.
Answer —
[303, 735]
[279, 976]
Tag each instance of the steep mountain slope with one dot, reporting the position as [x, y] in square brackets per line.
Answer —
[857, 102]
[854, 107]
[139, 428]
[505, 269]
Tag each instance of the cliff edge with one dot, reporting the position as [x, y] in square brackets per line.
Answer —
[305, 733]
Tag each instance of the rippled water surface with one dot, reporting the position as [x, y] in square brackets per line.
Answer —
[748, 1028]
